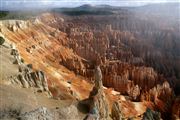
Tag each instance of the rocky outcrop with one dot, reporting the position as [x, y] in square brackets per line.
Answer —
[129, 79]
[27, 76]
[134, 92]
[116, 111]
[162, 96]
[98, 103]
[15, 25]
[34, 79]
[16, 55]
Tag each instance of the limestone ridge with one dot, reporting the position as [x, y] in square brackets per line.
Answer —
[27, 77]
[98, 102]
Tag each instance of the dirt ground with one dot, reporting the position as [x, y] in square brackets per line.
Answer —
[13, 97]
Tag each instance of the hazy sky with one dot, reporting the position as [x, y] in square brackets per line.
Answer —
[25, 4]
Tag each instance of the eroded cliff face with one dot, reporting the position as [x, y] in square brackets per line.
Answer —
[37, 46]
[67, 52]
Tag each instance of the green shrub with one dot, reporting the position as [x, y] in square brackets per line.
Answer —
[10, 112]
[30, 66]
[22, 60]
[3, 14]
[2, 40]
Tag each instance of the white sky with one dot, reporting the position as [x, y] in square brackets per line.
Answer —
[10, 4]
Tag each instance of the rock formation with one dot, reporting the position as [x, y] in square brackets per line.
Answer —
[97, 99]
[134, 92]
[163, 98]
[27, 76]
[116, 111]
[34, 79]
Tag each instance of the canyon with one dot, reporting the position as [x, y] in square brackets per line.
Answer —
[57, 55]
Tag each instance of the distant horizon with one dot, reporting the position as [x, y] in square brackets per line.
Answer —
[49, 4]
